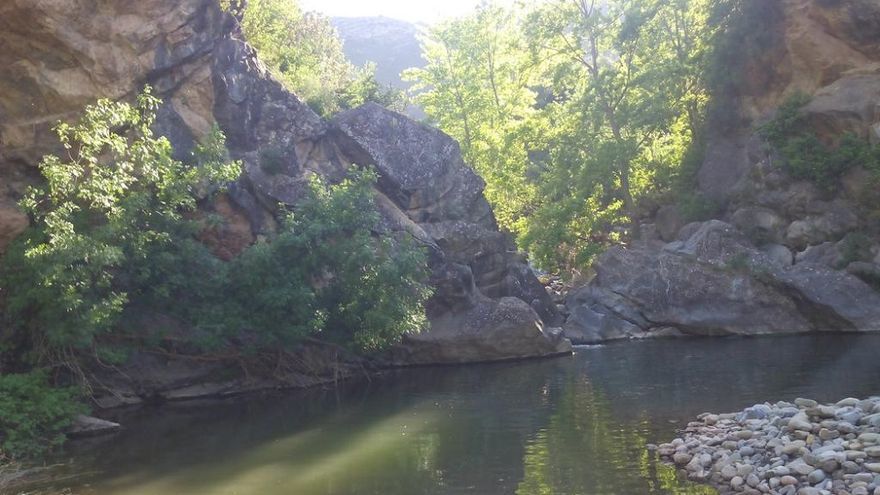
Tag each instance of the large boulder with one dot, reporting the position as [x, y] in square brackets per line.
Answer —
[716, 283]
[488, 305]
[848, 105]
[489, 330]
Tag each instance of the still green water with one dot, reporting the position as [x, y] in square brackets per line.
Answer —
[572, 425]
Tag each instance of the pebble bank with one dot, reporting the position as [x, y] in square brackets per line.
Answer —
[799, 448]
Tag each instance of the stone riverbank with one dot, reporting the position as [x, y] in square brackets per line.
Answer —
[799, 448]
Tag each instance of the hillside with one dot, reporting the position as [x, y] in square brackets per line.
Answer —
[389, 43]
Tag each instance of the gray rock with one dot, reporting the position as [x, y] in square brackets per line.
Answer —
[871, 420]
[850, 414]
[762, 225]
[826, 254]
[715, 283]
[788, 480]
[681, 458]
[85, 426]
[668, 221]
[778, 254]
[737, 482]
[831, 225]
[489, 330]
[805, 403]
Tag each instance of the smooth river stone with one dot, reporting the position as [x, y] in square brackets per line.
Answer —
[872, 420]
[848, 402]
[801, 467]
[852, 455]
[788, 480]
[804, 403]
[851, 415]
[794, 447]
[826, 434]
[873, 451]
[871, 438]
[681, 458]
[873, 467]
[800, 422]
[728, 472]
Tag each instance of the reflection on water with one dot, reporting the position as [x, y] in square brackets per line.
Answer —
[564, 426]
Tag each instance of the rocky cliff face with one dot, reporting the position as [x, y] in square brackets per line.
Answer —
[59, 56]
[778, 258]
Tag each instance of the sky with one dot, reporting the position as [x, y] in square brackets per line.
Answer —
[418, 11]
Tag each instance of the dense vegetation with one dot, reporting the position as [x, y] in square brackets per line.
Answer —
[304, 52]
[575, 112]
[805, 156]
[112, 250]
[585, 116]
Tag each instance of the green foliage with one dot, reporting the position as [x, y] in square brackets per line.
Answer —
[363, 88]
[33, 415]
[477, 86]
[694, 207]
[805, 156]
[108, 225]
[325, 274]
[303, 50]
[113, 239]
[573, 113]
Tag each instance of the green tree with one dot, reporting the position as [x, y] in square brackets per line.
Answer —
[324, 275]
[106, 222]
[573, 111]
[477, 87]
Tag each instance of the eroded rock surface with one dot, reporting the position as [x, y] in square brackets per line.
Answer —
[715, 282]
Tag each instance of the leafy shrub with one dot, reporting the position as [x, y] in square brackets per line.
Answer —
[108, 226]
[33, 415]
[694, 207]
[805, 156]
[303, 50]
[325, 274]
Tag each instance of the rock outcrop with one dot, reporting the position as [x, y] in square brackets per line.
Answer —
[784, 255]
[60, 56]
[829, 49]
[715, 282]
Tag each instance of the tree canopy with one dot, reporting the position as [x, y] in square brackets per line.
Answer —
[576, 112]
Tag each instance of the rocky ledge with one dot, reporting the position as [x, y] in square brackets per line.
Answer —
[800, 448]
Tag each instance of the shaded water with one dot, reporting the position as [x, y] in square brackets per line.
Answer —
[574, 425]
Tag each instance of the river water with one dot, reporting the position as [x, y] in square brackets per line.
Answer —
[571, 425]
